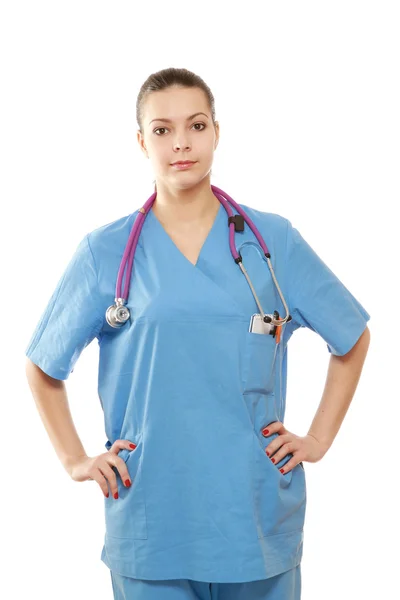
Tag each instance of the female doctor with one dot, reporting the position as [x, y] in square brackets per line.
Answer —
[204, 487]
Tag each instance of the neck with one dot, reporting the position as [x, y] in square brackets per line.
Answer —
[188, 205]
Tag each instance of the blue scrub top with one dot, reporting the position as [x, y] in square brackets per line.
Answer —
[188, 383]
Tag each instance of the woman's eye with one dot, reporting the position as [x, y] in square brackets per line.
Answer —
[164, 128]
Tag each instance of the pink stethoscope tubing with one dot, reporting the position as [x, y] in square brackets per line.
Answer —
[225, 199]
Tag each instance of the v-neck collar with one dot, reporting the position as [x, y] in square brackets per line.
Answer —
[217, 217]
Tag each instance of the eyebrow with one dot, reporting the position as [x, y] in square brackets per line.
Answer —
[188, 119]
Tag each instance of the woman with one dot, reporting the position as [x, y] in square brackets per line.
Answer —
[204, 487]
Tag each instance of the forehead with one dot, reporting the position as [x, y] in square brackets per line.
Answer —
[175, 104]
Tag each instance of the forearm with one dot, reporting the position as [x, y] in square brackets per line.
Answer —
[342, 379]
[51, 400]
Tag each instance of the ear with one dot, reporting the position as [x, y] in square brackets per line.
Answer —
[217, 134]
[141, 143]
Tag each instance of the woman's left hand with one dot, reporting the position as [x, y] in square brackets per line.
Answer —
[306, 448]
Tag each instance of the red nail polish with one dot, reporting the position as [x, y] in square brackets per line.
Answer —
[127, 483]
[273, 460]
[116, 495]
[132, 446]
[106, 495]
[267, 452]
[265, 431]
[281, 470]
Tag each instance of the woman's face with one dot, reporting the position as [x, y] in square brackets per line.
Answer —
[170, 135]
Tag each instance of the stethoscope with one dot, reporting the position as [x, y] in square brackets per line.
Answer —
[118, 314]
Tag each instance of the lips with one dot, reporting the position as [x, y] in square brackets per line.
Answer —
[184, 162]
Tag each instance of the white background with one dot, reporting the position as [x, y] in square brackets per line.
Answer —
[307, 96]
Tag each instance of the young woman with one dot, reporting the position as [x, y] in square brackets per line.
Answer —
[204, 487]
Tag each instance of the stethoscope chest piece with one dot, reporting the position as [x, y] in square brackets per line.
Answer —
[117, 314]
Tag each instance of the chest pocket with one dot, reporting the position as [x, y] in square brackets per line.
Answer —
[258, 363]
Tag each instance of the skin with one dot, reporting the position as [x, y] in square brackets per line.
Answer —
[184, 201]
[51, 399]
[186, 207]
[184, 198]
[342, 379]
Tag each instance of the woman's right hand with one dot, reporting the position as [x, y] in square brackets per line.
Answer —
[99, 468]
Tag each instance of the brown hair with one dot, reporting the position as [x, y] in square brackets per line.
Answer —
[171, 77]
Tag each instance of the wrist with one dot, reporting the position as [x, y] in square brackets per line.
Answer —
[324, 443]
[69, 461]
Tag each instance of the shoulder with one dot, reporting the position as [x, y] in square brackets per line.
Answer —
[111, 235]
[268, 223]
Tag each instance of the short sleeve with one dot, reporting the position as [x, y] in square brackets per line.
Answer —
[71, 319]
[318, 299]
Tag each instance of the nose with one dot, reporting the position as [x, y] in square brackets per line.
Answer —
[181, 140]
[178, 146]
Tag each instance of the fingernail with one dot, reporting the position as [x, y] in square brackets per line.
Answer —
[132, 446]
[281, 470]
[106, 495]
[273, 460]
[116, 495]
[127, 483]
[267, 452]
[265, 431]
